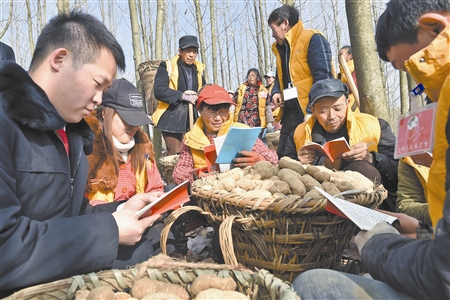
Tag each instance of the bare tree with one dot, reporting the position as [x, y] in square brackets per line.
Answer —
[265, 48]
[63, 6]
[404, 94]
[365, 57]
[143, 31]
[30, 26]
[5, 28]
[213, 40]
[198, 16]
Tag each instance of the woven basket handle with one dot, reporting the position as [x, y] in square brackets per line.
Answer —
[226, 241]
[168, 222]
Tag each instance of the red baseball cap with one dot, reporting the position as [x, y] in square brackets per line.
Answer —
[212, 95]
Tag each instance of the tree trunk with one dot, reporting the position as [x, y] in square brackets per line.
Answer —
[63, 6]
[213, 41]
[404, 93]
[261, 66]
[198, 16]
[365, 57]
[143, 31]
[157, 135]
[30, 26]
[266, 52]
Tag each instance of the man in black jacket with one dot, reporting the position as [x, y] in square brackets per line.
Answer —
[48, 231]
[176, 85]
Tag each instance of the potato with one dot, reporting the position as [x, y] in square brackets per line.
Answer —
[220, 295]
[238, 191]
[293, 179]
[265, 169]
[309, 182]
[101, 293]
[343, 185]
[317, 173]
[82, 294]
[162, 296]
[289, 163]
[211, 281]
[257, 194]
[313, 195]
[122, 296]
[330, 188]
[227, 183]
[280, 186]
[247, 184]
[147, 286]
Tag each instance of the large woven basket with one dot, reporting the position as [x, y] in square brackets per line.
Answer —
[167, 164]
[259, 285]
[147, 71]
[284, 236]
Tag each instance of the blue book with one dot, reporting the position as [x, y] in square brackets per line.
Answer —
[237, 139]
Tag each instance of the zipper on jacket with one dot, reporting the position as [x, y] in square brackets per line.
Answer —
[68, 163]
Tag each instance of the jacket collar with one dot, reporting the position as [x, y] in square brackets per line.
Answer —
[28, 104]
[431, 65]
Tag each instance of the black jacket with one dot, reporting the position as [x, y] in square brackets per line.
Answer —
[175, 119]
[45, 231]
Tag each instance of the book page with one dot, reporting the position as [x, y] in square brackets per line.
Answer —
[363, 217]
[237, 139]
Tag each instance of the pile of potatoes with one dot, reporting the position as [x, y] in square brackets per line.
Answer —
[204, 287]
[289, 179]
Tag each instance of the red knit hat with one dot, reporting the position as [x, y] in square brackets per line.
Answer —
[212, 95]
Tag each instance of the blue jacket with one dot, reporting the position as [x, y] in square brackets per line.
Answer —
[46, 230]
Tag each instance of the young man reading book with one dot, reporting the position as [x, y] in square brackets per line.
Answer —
[215, 120]
[371, 140]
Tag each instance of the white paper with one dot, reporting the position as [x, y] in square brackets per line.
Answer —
[290, 93]
[365, 218]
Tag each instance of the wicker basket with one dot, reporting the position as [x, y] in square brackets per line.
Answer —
[272, 139]
[260, 285]
[147, 71]
[286, 237]
[167, 164]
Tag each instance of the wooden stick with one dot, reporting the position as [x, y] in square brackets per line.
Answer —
[191, 116]
[351, 82]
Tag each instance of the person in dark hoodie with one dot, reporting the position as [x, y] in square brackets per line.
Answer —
[48, 230]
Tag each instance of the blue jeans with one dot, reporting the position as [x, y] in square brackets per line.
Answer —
[329, 284]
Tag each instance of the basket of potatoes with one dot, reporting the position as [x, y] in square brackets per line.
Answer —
[162, 277]
[272, 217]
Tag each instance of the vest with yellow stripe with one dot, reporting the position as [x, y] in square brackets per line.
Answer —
[361, 127]
[261, 104]
[173, 72]
[298, 39]
[421, 172]
[196, 139]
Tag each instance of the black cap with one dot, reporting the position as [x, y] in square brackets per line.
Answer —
[126, 100]
[188, 41]
[327, 88]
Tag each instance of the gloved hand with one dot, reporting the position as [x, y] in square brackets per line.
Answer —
[189, 96]
[363, 236]
[269, 127]
[247, 158]
[200, 173]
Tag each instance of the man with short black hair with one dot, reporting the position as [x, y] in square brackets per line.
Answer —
[176, 85]
[303, 57]
[48, 231]
[371, 140]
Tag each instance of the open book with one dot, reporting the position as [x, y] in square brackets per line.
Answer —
[332, 149]
[237, 139]
[363, 217]
[171, 200]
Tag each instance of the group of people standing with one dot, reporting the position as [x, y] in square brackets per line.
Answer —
[76, 167]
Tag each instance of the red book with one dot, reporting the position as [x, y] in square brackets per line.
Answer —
[169, 201]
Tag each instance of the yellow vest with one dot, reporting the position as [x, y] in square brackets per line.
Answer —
[360, 127]
[421, 172]
[172, 70]
[261, 104]
[298, 39]
[430, 66]
[196, 139]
